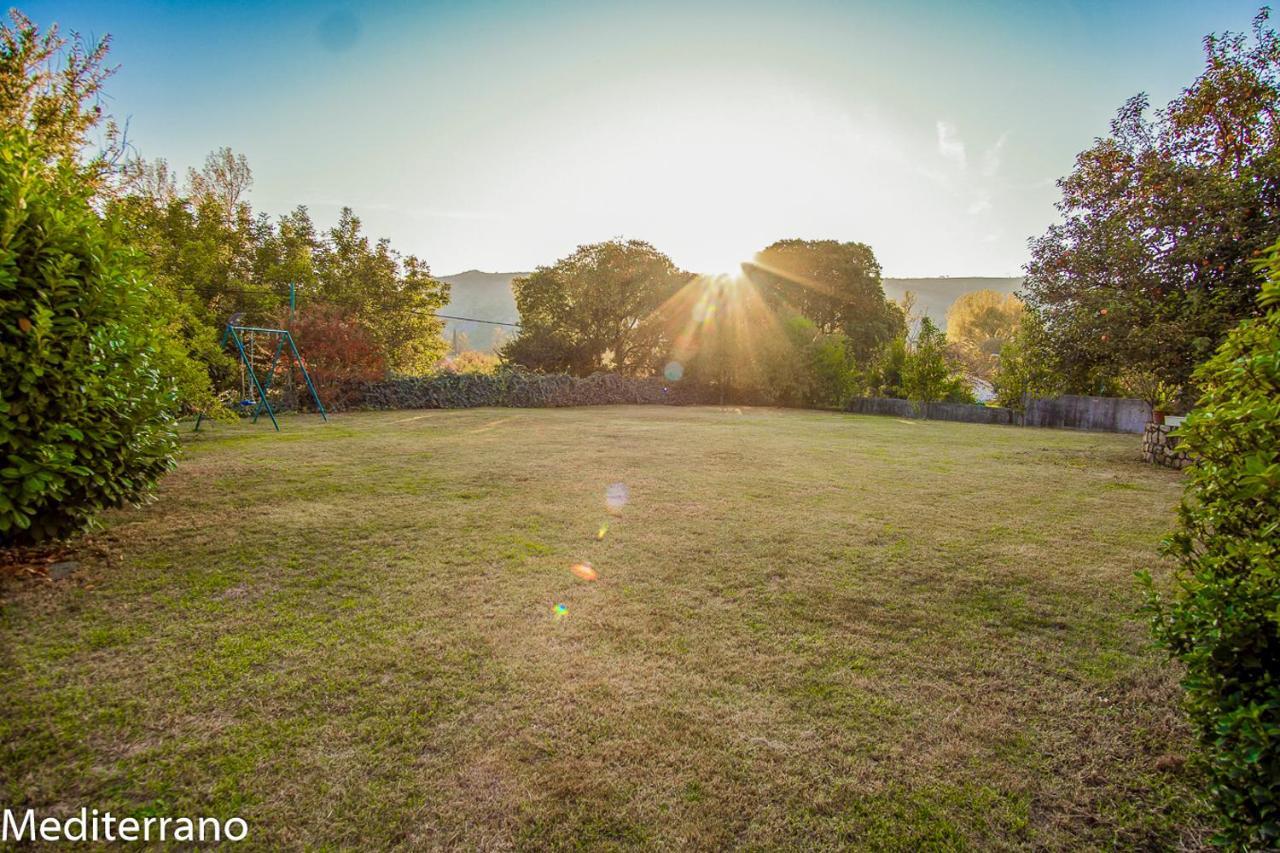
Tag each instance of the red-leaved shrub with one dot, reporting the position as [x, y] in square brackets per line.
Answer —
[339, 352]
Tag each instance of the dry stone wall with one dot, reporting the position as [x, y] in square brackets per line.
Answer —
[1160, 447]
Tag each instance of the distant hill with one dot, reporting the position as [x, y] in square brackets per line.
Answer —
[935, 295]
[487, 296]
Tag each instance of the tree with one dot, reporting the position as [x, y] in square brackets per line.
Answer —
[50, 90]
[886, 377]
[1150, 266]
[836, 285]
[86, 368]
[1222, 617]
[224, 180]
[394, 296]
[1026, 367]
[208, 249]
[597, 309]
[979, 324]
[927, 375]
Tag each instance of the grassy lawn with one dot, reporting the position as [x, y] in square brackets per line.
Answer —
[809, 629]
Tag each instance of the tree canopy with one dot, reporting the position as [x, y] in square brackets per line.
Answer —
[597, 309]
[208, 248]
[836, 285]
[1150, 265]
[979, 325]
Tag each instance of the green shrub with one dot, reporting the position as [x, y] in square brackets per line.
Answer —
[86, 372]
[1026, 366]
[1222, 620]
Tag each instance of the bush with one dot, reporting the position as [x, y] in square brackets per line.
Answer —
[1026, 367]
[471, 361]
[928, 376]
[85, 410]
[1222, 619]
[340, 353]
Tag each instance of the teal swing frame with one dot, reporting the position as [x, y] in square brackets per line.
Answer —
[235, 334]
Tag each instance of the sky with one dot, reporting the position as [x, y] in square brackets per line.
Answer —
[498, 135]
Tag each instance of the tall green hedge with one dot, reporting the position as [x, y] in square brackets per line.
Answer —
[1222, 620]
[85, 393]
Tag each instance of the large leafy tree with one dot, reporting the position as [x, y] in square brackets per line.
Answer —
[597, 309]
[836, 285]
[393, 295]
[216, 257]
[1149, 267]
[979, 325]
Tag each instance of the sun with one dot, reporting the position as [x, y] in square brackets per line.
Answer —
[725, 266]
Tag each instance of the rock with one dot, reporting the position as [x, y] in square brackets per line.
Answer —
[64, 569]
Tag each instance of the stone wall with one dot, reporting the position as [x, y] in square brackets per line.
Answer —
[1160, 447]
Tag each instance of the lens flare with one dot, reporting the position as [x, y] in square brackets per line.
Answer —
[674, 371]
[559, 611]
[604, 528]
[584, 571]
[616, 497]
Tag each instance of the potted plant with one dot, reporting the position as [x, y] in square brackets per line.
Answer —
[1145, 384]
[1163, 398]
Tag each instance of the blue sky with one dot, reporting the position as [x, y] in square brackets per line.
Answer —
[499, 135]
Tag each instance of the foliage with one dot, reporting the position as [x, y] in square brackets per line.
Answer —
[1223, 618]
[86, 388]
[928, 374]
[979, 324]
[833, 368]
[1150, 266]
[472, 361]
[597, 309]
[209, 251]
[801, 365]
[393, 296]
[886, 378]
[1026, 366]
[1146, 385]
[836, 285]
[340, 353]
[50, 89]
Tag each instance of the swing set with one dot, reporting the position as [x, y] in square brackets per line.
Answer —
[245, 340]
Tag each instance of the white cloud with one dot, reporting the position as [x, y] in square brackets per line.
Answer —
[981, 203]
[991, 157]
[950, 145]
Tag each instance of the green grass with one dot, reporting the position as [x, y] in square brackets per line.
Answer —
[809, 629]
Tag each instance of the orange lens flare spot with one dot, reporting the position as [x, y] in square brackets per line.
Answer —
[584, 571]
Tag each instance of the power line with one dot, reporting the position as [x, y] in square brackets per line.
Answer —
[475, 320]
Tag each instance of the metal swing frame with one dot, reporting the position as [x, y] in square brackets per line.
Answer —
[235, 333]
